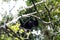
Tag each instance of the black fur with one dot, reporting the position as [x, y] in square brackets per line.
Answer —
[29, 24]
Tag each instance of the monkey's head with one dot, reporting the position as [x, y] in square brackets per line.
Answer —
[30, 23]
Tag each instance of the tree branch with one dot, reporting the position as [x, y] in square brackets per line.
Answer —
[26, 15]
[31, 6]
[48, 12]
[41, 20]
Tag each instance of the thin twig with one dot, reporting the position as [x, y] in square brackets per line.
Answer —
[41, 20]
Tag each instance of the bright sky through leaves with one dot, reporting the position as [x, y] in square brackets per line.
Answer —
[11, 7]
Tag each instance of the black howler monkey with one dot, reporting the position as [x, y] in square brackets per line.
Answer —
[30, 23]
